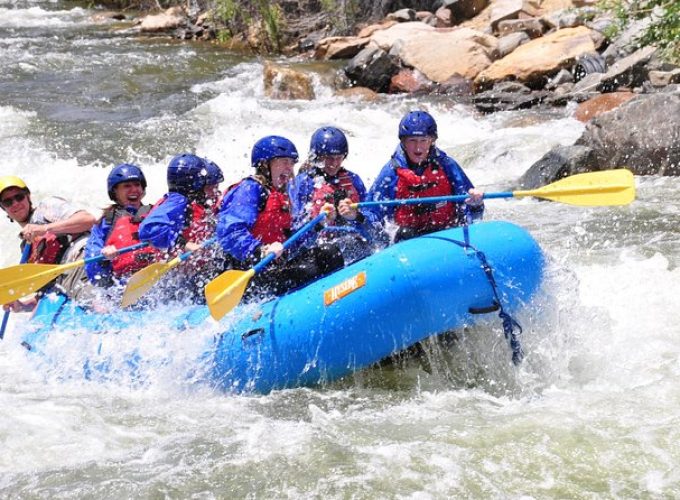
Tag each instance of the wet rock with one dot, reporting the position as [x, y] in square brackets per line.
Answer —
[286, 83]
[558, 163]
[641, 134]
[372, 68]
[601, 103]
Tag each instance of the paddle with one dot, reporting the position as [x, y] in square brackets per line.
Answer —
[24, 279]
[142, 281]
[604, 188]
[224, 292]
[24, 257]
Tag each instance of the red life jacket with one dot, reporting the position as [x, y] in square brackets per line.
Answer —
[433, 182]
[332, 190]
[49, 248]
[200, 223]
[125, 232]
[274, 221]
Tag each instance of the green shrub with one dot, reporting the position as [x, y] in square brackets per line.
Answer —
[664, 31]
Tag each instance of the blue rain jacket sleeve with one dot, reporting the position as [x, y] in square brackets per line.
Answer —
[99, 271]
[165, 222]
[237, 215]
[385, 185]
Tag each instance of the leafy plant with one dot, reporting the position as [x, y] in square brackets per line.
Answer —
[664, 29]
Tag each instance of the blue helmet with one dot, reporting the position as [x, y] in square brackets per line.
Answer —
[187, 173]
[125, 172]
[417, 124]
[328, 141]
[270, 147]
[215, 175]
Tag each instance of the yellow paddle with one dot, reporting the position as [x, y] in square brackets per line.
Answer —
[604, 188]
[24, 279]
[224, 292]
[142, 281]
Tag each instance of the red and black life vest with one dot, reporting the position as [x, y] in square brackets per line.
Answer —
[432, 182]
[199, 223]
[49, 248]
[274, 221]
[124, 232]
[332, 190]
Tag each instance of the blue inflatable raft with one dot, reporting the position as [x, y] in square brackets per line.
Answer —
[344, 322]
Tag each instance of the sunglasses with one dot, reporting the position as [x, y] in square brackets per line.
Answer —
[11, 200]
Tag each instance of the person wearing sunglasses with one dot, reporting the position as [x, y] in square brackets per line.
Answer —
[56, 230]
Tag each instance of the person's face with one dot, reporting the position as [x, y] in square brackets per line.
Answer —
[17, 203]
[332, 163]
[129, 194]
[282, 171]
[417, 148]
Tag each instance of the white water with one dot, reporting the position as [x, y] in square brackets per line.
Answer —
[591, 413]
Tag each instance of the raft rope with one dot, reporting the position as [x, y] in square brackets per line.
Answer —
[511, 328]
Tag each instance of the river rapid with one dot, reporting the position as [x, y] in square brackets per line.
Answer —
[593, 412]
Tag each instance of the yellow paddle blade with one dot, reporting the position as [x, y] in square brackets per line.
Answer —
[24, 279]
[142, 281]
[607, 187]
[224, 292]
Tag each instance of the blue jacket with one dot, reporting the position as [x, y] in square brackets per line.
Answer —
[165, 222]
[301, 191]
[385, 185]
[100, 271]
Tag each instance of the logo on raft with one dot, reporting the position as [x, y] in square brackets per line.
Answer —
[345, 288]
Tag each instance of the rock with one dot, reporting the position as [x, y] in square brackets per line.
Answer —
[532, 62]
[556, 164]
[507, 96]
[508, 43]
[358, 93]
[108, 15]
[285, 83]
[641, 134]
[439, 53]
[402, 16]
[464, 9]
[372, 68]
[169, 20]
[664, 78]
[601, 103]
[532, 26]
[511, 9]
[631, 71]
[340, 47]
[410, 81]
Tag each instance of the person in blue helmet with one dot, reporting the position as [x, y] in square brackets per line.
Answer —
[325, 184]
[184, 219]
[118, 227]
[255, 219]
[419, 169]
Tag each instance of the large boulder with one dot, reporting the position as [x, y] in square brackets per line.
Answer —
[642, 134]
[439, 53]
[533, 62]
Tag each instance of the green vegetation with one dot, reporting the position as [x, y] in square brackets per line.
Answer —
[257, 16]
[663, 32]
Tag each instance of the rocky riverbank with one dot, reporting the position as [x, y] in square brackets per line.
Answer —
[495, 55]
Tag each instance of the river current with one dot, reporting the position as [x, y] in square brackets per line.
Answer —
[593, 412]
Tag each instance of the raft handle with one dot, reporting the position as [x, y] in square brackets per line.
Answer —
[484, 310]
[256, 331]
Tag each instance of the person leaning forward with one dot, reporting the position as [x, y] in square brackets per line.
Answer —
[418, 169]
[56, 230]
